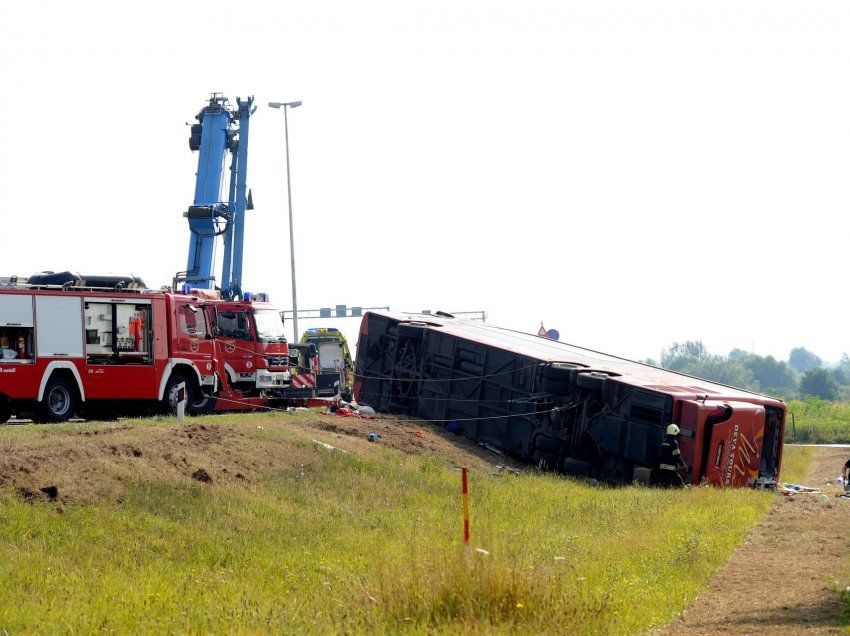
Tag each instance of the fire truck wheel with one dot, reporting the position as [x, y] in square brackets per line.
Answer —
[5, 412]
[59, 402]
[170, 397]
[205, 404]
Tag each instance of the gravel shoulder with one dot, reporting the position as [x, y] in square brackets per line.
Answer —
[786, 577]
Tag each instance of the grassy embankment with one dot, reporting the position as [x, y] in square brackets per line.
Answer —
[364, 542]
[817, 421]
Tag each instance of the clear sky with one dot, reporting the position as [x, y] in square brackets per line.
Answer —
[630, 173]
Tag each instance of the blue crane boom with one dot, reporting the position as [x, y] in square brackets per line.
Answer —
[221, 130]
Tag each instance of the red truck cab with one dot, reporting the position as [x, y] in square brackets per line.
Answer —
[251, 350]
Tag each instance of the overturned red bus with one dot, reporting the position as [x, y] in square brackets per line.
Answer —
[563, 406]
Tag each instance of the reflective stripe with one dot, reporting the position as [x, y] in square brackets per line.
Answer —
[677, 452]
[666, 467]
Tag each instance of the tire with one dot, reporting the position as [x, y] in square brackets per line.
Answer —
[557, 378]
[203, 406]
[558, 372]
[59, 402]
[592, 381]
[5, 412]
[170, 396]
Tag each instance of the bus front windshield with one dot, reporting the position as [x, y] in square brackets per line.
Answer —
[269, 325]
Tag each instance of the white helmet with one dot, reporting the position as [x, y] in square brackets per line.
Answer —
[672, 429]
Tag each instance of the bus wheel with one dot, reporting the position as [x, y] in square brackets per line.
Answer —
[59, 402]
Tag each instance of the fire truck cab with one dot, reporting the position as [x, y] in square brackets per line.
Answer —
[252, 351]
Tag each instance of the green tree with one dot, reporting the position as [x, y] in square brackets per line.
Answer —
[723, 371]
[842, 370]
[801, 360]
[772, 375]
[680, 355]
[820, 383]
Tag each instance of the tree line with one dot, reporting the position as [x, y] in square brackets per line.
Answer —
[803, 375]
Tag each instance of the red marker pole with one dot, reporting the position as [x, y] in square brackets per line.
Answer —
[465, 509]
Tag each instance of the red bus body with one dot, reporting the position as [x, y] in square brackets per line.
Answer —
[570, 408]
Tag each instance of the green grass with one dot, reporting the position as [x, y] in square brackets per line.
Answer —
[369, 542]
[795, 463]
[817, 421]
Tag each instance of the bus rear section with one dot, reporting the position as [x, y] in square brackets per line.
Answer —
[732, 442]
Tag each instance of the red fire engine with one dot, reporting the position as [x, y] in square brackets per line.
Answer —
[78, 345]
[106, 345]
[255, 364]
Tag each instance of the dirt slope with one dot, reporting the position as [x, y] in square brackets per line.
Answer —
[86, 462]
[786, 576]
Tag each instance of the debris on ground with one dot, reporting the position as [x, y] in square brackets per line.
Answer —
[491, 448]
[366, 412]
[328, 446]
[794, 489]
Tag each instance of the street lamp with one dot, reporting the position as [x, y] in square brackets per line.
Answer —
[289, 194]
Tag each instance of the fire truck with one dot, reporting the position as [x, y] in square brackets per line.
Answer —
[563, 406]
[99, 344]
[106, 345]
[259, 367]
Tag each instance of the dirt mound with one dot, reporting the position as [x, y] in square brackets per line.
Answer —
[89, 461]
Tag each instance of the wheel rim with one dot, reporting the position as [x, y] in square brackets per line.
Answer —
[59, 401]
[175, 392]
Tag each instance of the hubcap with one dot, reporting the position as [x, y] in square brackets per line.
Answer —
[59, 401]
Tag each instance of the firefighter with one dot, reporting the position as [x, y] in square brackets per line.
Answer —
[844, 475]
[670, 459]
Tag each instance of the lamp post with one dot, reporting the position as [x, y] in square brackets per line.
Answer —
[284, 106]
